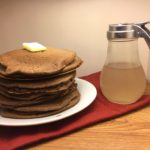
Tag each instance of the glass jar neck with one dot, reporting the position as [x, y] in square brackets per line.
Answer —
[124, 44]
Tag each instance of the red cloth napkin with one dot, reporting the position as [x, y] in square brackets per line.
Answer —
[100, 110]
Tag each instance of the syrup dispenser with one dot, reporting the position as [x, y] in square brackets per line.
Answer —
[122, 79]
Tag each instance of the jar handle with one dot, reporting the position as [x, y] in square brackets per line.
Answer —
[143, 31]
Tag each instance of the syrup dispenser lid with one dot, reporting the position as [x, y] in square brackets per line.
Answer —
[129, 31]
[117, 31]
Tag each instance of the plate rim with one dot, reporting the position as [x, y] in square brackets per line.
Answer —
[61, 115]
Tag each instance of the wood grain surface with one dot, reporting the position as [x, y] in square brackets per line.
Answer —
[129, 132]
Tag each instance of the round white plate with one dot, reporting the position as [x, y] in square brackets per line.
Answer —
[88, 93]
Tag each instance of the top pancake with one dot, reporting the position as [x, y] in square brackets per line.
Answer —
[22, 62]
[66, 70]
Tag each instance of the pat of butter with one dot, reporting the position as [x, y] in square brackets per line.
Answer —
[34, 47]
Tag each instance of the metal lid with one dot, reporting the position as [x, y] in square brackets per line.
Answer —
[129, 31]
[120, 31]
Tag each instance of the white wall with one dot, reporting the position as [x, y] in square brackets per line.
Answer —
[79, 25]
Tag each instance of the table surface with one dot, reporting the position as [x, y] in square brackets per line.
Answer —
[129, 132]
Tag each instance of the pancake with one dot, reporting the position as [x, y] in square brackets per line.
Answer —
[21, 115]
[22, 62]
[50, 90]
[51, 105]
[73, 65]
[68, 69]
[28, 97]
[12, 103]
[33, 96]
[35, 84]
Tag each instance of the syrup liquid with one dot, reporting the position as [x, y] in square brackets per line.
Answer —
[123, 83]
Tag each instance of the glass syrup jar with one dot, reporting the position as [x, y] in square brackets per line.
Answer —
[122, 78]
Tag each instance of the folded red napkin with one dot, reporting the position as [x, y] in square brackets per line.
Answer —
[100, 110]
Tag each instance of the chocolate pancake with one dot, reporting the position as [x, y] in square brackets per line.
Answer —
[12, 103]
[22, 62]
[68, 69]
[33, 96]
[51, 105]
[41, 83]
[37, 84]
[73, 65]
[23, 115]
[51, 90]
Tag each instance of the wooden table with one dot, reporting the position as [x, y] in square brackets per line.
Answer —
[129, 132]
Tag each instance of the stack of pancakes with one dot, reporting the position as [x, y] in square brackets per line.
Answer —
[37, 84]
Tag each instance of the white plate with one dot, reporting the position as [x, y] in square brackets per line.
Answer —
[88, 93]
